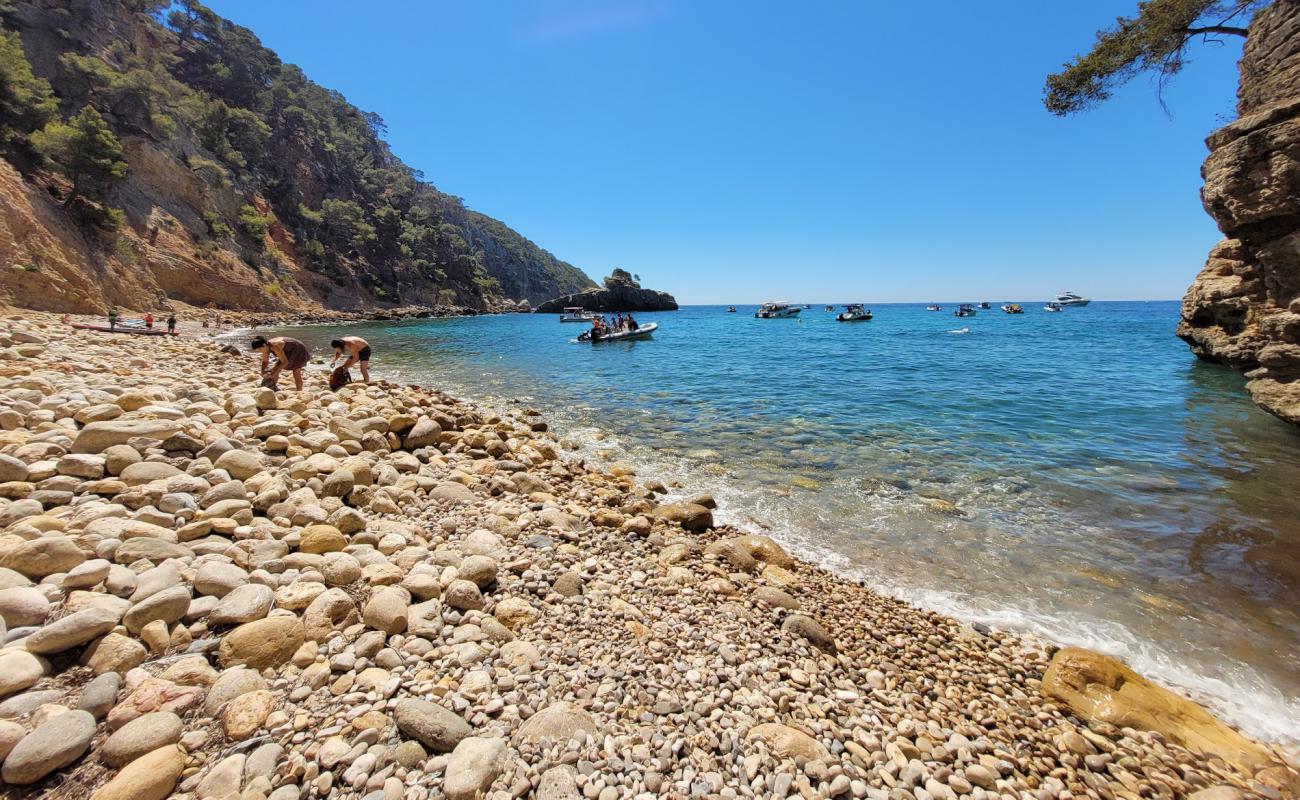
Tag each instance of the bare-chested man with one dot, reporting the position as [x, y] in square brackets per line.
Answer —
[290, 354]
[358, 352]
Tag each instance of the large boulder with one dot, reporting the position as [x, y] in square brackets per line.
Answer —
[73, 630]
[321, 539]
[264, 643]
[18, 671]
[786, 742]
[472, 767]
[150, 777]
[691, 516]
[54, 744]
[436, 727]
[47, 555]
[142, 735]
[557, 722]
[99, 436]
[1098, 688]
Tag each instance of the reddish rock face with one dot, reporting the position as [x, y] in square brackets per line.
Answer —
[1244, 308]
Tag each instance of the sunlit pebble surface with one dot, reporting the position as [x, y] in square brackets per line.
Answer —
[564, 644]
[1152, 533]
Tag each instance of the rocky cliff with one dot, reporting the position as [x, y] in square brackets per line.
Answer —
[246, 185]
[1244, 307]
[621, 293]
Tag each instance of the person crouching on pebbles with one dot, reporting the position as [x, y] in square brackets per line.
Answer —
[358, 352]
[290, 354]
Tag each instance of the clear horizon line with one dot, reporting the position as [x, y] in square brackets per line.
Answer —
[923, 302]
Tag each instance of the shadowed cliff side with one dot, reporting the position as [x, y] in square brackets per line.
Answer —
[1243, 309]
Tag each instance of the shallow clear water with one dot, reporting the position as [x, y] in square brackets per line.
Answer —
[1115, 492]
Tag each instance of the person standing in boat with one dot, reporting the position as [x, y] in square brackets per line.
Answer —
[358, 352]
[631, 323]
[290, 354]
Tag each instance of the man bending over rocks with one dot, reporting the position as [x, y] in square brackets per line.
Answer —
[290, 354]
[358, 352]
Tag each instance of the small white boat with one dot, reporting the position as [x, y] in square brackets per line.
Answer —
[964, 310]
[934, 308]
[854, 312]
[1071, 299]
[985, 305]
[1052, 306]
[731, 309]
[577, 314]
[777, 311]
[642, 332]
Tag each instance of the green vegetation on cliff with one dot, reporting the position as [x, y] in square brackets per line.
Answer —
[314, 184]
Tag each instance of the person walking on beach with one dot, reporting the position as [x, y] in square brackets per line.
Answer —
[290, 354]
[112, 319]
[171, 324]
[148, 322]
[358, 352]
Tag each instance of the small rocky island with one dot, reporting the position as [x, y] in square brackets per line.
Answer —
[622, 292]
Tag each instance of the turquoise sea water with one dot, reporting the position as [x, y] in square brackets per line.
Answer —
[1115, 492]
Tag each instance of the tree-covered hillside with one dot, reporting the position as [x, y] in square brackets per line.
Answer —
[99, 99]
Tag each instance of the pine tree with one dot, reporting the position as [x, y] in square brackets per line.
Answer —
[86, 149]
[26, 102]
[1156, 41]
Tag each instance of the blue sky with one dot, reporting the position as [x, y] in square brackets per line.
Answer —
[821, 151]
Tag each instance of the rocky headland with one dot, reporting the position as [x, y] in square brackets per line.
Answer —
[1244, 307]
[210, 590]
[621, 293]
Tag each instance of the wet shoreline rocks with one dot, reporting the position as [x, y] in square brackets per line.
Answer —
[222, 591]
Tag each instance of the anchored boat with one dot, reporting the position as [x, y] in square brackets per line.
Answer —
[1013, 308]
[854, 312]
[933, 307]
[964, 310]
[1071, 299]
[577, 314]
[777, 311]
[642, 332]
[1052, 306]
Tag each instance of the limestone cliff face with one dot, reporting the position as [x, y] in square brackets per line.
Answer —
[49, 263]
[1244, 307]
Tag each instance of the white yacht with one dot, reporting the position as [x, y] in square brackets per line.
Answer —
[577, 314]
[777, 311]
[1071, 299]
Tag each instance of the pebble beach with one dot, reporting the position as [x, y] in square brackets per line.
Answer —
[211, 590]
